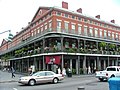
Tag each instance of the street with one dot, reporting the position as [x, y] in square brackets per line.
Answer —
[89, 82]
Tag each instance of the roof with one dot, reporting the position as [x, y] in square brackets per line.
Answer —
[87, 16]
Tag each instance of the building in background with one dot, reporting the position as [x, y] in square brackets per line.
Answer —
[59, 38]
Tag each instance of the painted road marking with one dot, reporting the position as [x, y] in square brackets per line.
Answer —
[15, 89]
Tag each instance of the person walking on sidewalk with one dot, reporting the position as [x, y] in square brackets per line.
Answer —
[13, 72]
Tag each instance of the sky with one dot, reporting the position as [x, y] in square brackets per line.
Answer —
[15, 14]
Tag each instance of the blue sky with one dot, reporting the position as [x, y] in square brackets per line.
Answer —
[15, 14]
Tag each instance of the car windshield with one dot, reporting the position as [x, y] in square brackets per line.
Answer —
[111, 69]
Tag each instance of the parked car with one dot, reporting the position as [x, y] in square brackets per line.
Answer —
[111, 71]
[41, 77]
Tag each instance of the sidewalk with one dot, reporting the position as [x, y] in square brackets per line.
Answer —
[7, 77]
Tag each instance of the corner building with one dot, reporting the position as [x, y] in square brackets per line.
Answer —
[57, 37]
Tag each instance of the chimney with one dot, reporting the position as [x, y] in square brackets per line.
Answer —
[112, 21]
[98, 16]
[79, 10]
[64, 5]
[16, 33]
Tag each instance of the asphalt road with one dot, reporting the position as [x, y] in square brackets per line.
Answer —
[90, 83]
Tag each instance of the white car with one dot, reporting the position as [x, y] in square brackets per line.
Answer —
[41, 77]
[111, 71]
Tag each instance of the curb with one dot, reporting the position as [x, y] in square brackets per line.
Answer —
[8, 81]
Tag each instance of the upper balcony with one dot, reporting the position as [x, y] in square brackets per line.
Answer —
[58, 31]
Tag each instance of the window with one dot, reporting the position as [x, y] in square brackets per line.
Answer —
[32, 33]
[91, 21]
[38, 30]
[48, 73]
[46, 26]
[109, 35]
[85, 20]
[66, 15]
[58, 26]
[79, 29]
[111, 69]
[96, 32]
[105, 34]
[79, 18]
[73, 17]
[100, 33]
[41, 28]
[66, 26]
[85, 31]
[73, 28]
[50, 25]
[90, 31]
[58, 13]
[113, 36]
[116, 36]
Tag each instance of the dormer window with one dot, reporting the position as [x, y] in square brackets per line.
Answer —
[66, 15]
[58, 13]
[40, 12]
[73, 17]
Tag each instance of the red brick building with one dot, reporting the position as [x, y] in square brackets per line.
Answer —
[58, 37]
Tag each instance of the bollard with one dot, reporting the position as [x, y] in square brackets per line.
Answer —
[81, 88]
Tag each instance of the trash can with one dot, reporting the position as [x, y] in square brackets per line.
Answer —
[69, 74]
[114, 83]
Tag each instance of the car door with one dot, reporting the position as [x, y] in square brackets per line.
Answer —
[40, 77]
[49, 76]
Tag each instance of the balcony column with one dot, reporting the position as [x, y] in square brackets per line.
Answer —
[62, 44]
[78, 65]
[84, 45]
[97, 47]
[84, 65]
[71, 64]
[116, 62]
[22, 65]
[78, 46]
[44, 63]
[62, 62]
[43, 45]
[104, 64]
[28, 63]
[35, 63]
[108, 60]
[98, 63]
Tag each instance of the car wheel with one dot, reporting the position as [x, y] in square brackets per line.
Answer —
[32, 82]
[101, 79]
[55, 80]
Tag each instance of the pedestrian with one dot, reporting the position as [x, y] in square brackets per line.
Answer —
[30, 71]
[64, 72]
[13, 71]
[89, 70]
[59, 71]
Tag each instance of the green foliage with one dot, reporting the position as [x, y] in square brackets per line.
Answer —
[73, 71]
[111, 46]
[81, 71]
[102, 44]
